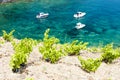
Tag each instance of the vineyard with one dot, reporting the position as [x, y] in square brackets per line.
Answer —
[48, 59]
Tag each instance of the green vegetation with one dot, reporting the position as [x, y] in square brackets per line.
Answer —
[52, 51]
[51, 54]
[49, 49]
[8, 36]
[75, 47]
[94, 49]
[89, 64]
[109, 54]
[17, 59]
[25, 45]
[49, 42]
[2, 41]
[22, 51]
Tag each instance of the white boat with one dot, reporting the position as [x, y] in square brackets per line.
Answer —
[42, 15]
[79, 25]
[79, 14]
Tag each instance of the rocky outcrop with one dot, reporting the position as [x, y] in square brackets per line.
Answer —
[3, 1]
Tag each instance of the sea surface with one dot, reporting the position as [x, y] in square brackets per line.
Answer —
[102, 20]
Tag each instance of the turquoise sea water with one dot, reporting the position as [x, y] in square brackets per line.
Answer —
[102, 20]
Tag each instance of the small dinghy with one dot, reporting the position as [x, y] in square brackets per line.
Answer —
[42, 15]
[79, 25]
[79, 14]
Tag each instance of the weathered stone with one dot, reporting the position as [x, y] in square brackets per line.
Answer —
[4, 1]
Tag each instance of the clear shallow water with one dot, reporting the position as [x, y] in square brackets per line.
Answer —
[102, 20]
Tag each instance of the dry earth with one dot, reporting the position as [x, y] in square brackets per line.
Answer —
[68, 68]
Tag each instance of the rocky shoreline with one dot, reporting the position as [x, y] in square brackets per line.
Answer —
[4, 1]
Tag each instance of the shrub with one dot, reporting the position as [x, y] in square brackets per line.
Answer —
[94, 49]
[2, 41]
[17, 59]
[51, 54]
[109, 54]
[75, 47]
[8, 36]
[89, 65]
[22, 51]
[49, 49]
[25, 45]
[48, 42]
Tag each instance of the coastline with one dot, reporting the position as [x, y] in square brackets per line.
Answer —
[67, 67]
[4, 1]
[20, 15]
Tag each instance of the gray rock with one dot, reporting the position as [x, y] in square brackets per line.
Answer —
[3, 1]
